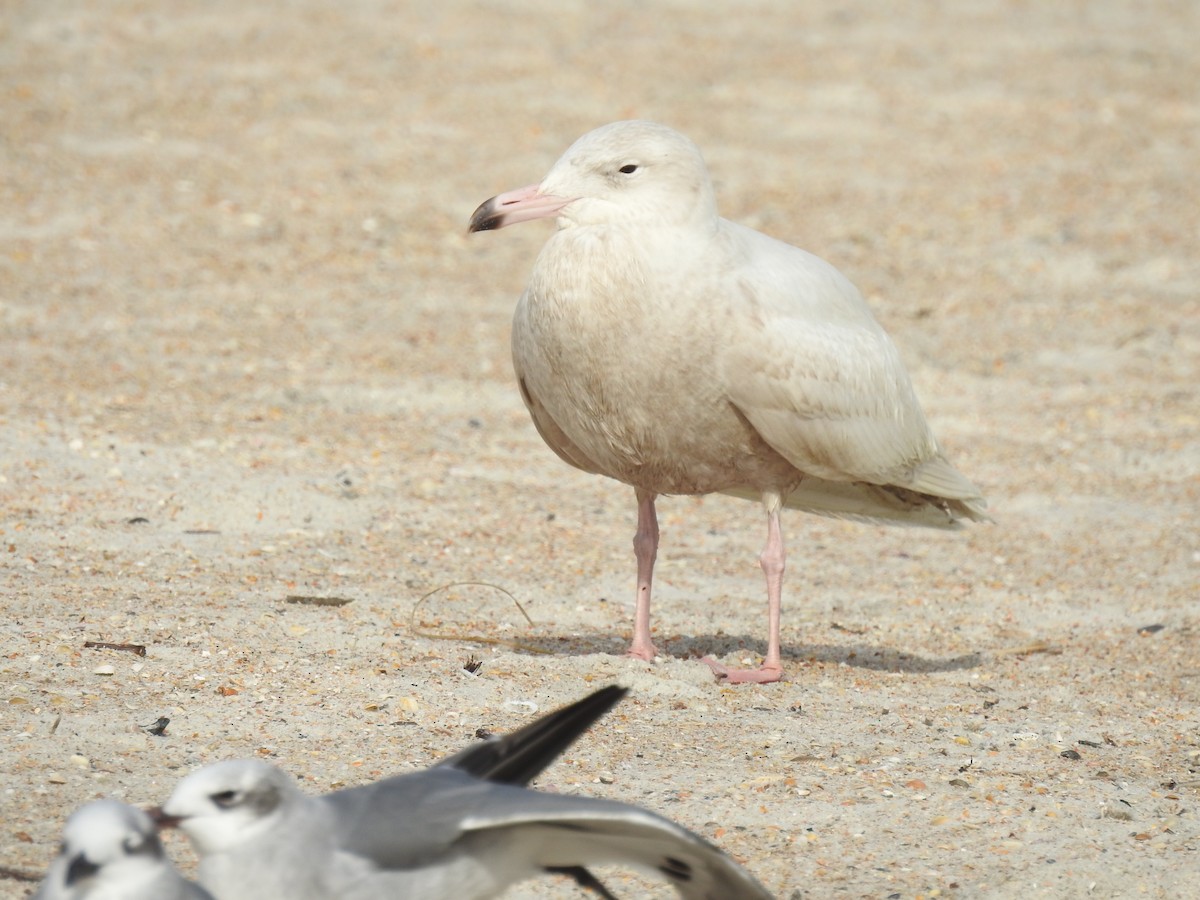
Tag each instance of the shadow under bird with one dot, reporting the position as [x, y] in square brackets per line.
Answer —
[680, 353]
[111, 851]
[465, 828]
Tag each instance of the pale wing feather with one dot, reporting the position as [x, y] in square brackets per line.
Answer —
[860, 502]
[553, 830]
[820, 380]
[402, 826]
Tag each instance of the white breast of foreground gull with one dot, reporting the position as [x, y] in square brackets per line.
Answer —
[681, 353]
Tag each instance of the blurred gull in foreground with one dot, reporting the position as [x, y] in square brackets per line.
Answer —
[460, 830]
[111, 851]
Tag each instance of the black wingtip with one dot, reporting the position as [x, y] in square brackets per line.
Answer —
[521, 756]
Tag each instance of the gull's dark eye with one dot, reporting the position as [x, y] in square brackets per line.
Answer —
[225, 799]
[628, 168]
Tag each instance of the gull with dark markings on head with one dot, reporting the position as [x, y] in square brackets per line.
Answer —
[681, 353]
[465, 829]
[111, 851]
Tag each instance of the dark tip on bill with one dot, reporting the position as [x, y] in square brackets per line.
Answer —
[485, 218]
[161, 820]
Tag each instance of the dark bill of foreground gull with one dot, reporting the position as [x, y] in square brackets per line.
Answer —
[111, 851]
[446, 832]
[681, 353]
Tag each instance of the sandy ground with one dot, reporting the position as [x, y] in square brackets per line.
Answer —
[248, 352]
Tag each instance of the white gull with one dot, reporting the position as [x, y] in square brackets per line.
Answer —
[681, 353]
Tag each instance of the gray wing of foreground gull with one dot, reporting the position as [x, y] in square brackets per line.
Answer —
[661, 345]
[521, 756]
[110, 851]
[444, 832]
[522, 832]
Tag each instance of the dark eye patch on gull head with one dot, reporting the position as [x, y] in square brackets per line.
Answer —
[226, 799]
[80, 869]
[262, 798]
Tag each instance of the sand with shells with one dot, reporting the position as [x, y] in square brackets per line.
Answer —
[249, 354]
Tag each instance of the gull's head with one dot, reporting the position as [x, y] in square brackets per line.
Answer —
[224, 805]
[106, 843]
[634, 172]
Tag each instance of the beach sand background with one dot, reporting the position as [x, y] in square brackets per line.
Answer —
[248, 352]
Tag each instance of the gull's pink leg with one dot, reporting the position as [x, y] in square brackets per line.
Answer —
[645, 547]
[772, 559]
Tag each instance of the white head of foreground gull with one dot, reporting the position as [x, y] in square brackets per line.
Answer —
[680, 353]
[111, 851]
[446, 832]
